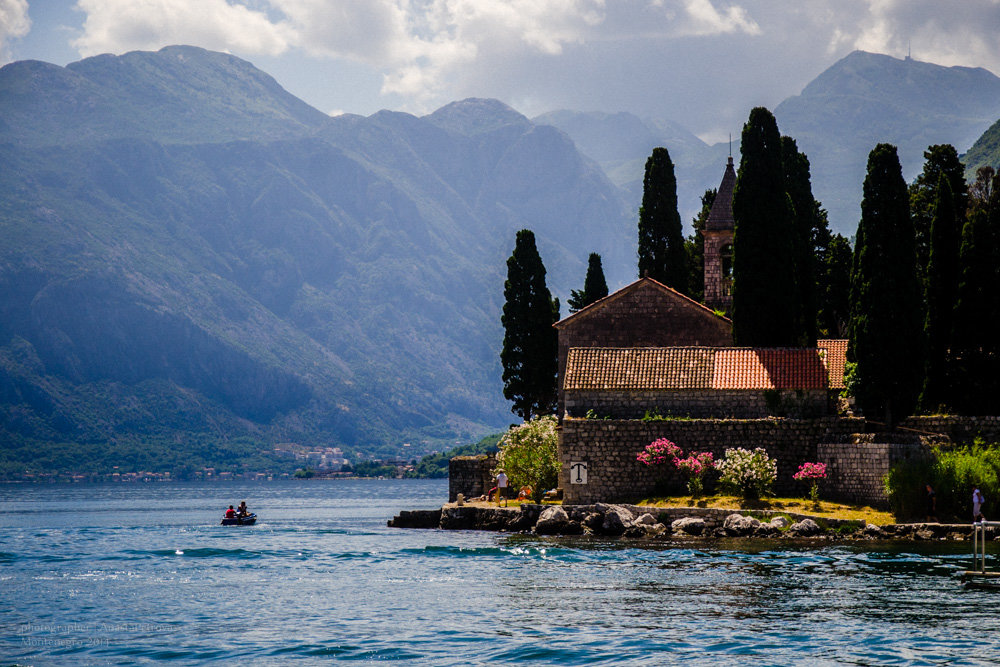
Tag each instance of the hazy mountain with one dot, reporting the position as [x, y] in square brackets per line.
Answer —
[860, 101]
[195, 261]
[985, 152]
[866, 99]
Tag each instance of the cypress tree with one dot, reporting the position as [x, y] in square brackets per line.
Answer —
[885, 328]
[595, 287]
[975, 349]
[835, 288]
[942, 288]
[530, 345]
[763, 275]
[661, 242]
[939, 159]
[804, 220]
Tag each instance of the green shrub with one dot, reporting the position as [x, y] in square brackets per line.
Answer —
[952, 473]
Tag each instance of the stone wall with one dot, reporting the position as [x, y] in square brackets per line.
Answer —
[609, 448]
[470, 475]
[698, 403]
[855, 469]
[959, 429]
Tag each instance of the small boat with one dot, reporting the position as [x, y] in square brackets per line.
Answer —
[247, 520]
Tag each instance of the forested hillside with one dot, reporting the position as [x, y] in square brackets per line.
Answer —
[192, 257]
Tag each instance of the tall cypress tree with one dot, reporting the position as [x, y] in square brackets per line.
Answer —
[661, 241]
[530, 344]
[885, 329]
[835, 288]
[939, 159]
[942, 288]
[595, 287]
[975, 349]
[804, 220]
[763, 271]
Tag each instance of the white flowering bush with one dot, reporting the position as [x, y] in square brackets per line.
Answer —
[748, 474]
[528, 455]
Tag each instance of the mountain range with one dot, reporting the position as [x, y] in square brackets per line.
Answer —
[196, 265]
[191, 257]
[860, 101]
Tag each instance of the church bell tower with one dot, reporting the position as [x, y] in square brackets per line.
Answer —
[718, 235]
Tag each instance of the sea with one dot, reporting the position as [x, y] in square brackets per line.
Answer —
[141, 574]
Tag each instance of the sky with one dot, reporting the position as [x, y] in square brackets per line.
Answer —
[700, 63]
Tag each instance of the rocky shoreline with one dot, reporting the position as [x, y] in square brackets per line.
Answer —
[632, 521]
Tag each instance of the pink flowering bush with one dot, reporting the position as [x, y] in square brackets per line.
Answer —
[694, 466]
[812, 472]
[659, 452]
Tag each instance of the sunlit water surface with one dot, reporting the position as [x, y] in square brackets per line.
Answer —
[142, 573]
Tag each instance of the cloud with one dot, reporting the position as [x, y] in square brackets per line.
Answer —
[14, 23]
[419, 45]
[118, 26]
[958, 33]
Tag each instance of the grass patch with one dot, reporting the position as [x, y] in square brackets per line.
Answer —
[823, 509]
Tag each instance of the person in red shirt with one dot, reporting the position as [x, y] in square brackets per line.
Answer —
[230, 513]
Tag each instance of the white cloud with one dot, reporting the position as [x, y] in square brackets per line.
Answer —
[117, 26]
[707, 20]
[957, 33]
[419, 45]
[14, 23]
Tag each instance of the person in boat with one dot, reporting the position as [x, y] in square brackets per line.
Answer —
[230, 513]
[242, 510]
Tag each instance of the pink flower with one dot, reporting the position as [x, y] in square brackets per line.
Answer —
[658, 452]
[811, 471]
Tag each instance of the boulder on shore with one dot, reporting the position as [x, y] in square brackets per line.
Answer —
[688, 525]
[737, 525]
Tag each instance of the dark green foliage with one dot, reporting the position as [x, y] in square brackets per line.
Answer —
[886, 325]
[975, 344]
[661, 243]
[834, 287]
[595, 287]
[763, 269]
[940, 160]
[805, 220]
[436, 465]
[371, 469]
[953, 474]
[695, 247]
[942, 290]
[530, 344]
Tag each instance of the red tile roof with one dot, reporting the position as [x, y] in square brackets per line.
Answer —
[657, 368]
[836, 359]
[769, 368]
[639, 368]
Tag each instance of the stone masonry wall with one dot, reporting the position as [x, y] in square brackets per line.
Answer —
[959, 429]
[855, 469]
[470, 475]
[609, 448]
[698, 404]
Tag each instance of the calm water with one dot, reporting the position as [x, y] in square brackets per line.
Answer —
[139, 574]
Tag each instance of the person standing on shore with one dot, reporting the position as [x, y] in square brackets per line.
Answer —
[501, 487]
[977, 505]
[931, 505]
